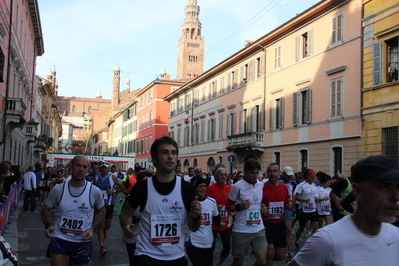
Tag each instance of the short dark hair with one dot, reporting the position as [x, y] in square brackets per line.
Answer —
[252, 164]
[142, 174]
[158, 142]
[94, 163]
[273, 164]
[325, 178]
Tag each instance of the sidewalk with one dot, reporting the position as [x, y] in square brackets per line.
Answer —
[11, 233]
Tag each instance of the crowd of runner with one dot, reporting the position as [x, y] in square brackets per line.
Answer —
[169, 214]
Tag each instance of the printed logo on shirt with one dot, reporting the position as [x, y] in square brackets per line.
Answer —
[165, 200]
[255, 198]
[75, 201]
[83, 207]
[176, 207]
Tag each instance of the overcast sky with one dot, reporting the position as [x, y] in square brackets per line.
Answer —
[84, 39]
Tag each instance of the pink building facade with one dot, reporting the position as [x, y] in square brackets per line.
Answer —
[21, 41]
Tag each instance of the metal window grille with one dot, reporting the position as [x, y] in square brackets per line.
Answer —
[337, 160]
[390, 145]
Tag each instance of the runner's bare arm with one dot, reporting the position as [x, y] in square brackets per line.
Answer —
[118, 183]
[125, 219]
[45, 215]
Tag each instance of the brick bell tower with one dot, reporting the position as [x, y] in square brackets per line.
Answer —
[190, 53]
[116, 83]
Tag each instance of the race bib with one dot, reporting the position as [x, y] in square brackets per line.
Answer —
[325, 207]
[224, 214]
[253, 216]
[165, 229]
[276, 210]
[309, 206]
[205, 218]
[105, 195]
[72, 223]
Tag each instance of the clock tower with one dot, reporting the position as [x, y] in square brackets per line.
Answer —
[190, 53]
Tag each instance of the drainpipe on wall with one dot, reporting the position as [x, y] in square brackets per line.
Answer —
[264, 88]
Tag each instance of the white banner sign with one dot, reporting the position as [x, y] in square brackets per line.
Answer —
[112, 159]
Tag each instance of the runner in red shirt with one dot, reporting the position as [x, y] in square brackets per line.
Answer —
[276, 198]
[220, 192]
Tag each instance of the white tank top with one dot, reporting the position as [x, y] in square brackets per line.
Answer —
[162, 224]
[73, 214]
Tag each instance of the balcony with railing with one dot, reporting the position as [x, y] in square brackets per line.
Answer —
[249, 141]
[40, 144]
[30, 132]
[15, 111]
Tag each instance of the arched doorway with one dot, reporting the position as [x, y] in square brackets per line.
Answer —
[186, 165]
[195, 163]
[211, 165]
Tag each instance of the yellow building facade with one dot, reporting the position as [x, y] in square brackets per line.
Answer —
[380, 92]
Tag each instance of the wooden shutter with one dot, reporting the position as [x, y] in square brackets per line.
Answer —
[297, 48]
[228, 128]
[251, 70]
[221, 127]
[241, 76]
[260, 118]
[248, 120]
[310, 42]
[241, 121]
[272, 114]
[309, 106]
[262, 65]
[295, 109]
[334, 30]
[234, 124]
[377, 64]
[253, 119]
[339, 93]
[281, 113]
[229, 82]
[333, 98]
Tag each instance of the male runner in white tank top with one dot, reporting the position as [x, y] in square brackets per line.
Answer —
[74, 202]
[167, 203]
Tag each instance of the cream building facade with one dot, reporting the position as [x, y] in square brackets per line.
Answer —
[291, 97]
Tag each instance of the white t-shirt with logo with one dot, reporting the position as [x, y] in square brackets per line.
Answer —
[248, 220]
[203, 237]
[307, 191]
[323, 207]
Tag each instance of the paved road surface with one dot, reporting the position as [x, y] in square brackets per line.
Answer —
[32, 243]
